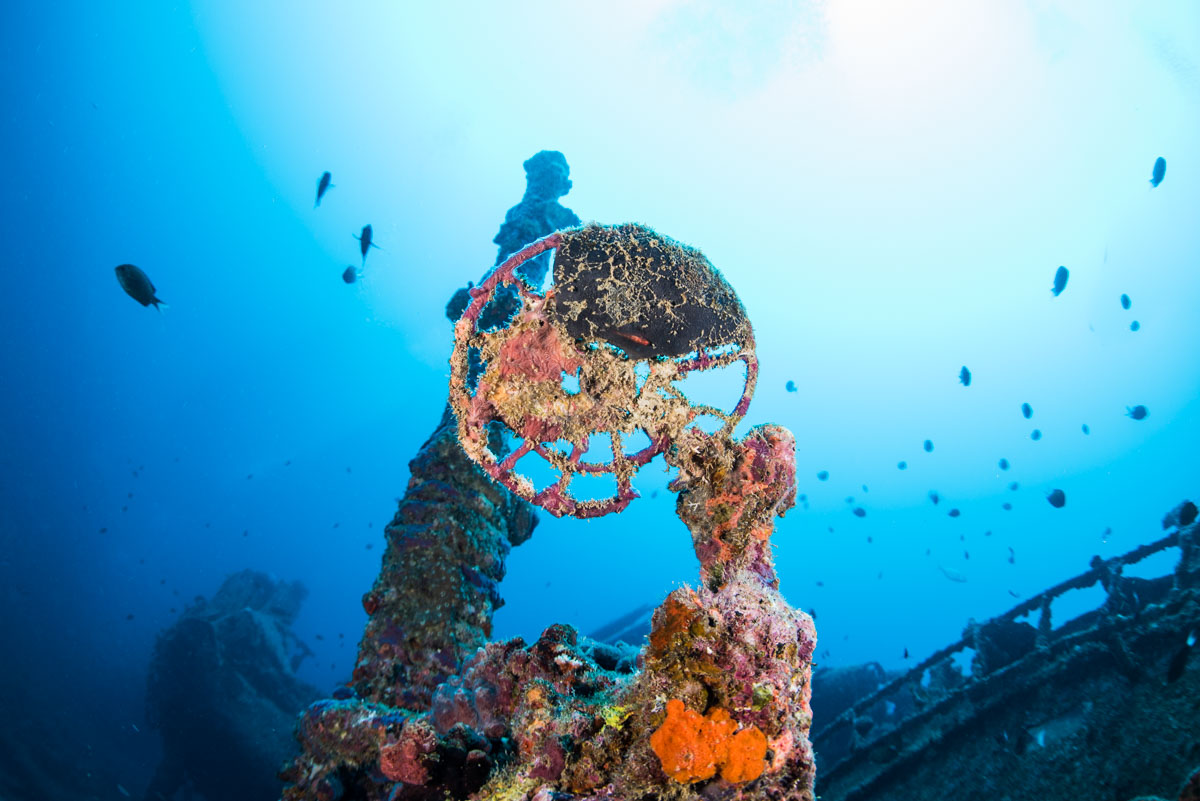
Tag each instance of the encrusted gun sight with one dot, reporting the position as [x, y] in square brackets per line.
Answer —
[630, 312]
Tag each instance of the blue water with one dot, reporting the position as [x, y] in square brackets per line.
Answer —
[889, 193]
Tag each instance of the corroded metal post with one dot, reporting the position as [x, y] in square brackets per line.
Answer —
[719, 704]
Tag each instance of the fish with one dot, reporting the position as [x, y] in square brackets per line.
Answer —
[1125, 302]
[933, 496]
[1014, 486]
[822, 475]
[1026, 410]
[1086, 429]
[952, 574]
[1036, 434]
[1160, 171]
[1060, 281]
[790, 386]
[1014, 593]
[365, 243]
[906, 653]
[1012, 556]
[1135, 326]
[1179, 661]
[323, 186]
[1003, 464]
[901, 465]
[349, 275]
[954, 513]
[966, 554]
[928, 445]
[859, 511]
[964, 376]
[1138, 412]
[137, 285]
[1057, 498]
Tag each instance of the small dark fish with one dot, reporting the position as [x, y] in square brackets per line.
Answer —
[823, 475]
[1012, 556]
[370, 546]
[129, 616]
[928, 445]
[933, 496]
[137, 285]
[901, 465]
[954, 513]
[1026, 410]
[323, 186]
[964, 376]
[320, 637]
[906, 653]
[1014, 486]
[1086, 429]
[987, 533]
[1057, 498]
[1060, 280]
[790, 386]
[1135, 326]
[864, 488]
[820, 584]
[1006, 506]
[1036, 434]
[365, 243]
[1125, 302]
[1003, 464]
[1014, 594]
[966, 555]
[1138, 412]
[1179, 661]
[104, 530]
[859, 511]
[350, 275]
[1160, 171]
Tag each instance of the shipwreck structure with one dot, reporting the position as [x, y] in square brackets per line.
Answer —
[1101, 706]
[717, 704]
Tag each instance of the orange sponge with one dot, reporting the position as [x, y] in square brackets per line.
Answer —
[693, 747]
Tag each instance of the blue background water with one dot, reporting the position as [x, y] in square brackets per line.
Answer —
[890, 191]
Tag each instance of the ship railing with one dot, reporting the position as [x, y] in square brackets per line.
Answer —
[937, 677]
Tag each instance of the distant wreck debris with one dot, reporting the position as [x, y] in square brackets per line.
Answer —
[1092, 706]
[718, 706]
[223, 690]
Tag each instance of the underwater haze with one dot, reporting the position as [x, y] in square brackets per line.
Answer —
[891, 189]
